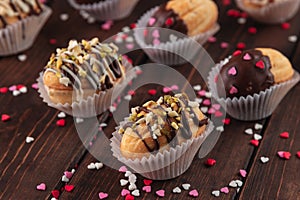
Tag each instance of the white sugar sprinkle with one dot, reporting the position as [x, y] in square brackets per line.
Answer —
[64, 17]
[293, 38]
[29, 139]
[22, 57]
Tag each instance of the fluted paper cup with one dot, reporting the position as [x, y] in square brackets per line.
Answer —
[106, 10]
[183, 49]
[252, 107]
[93, 105]
[276, 12]
[166, 164]
[20, 36]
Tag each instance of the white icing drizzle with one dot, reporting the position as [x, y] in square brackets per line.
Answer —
[12, 8]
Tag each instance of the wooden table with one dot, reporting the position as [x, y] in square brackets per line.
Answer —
[57, 149]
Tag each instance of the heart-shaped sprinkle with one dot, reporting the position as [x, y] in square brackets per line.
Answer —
[167, 90]
[298, 154]
[254, 142]
[204, 109]
[218, 113]
[173, 38]
[257, 137]
[147, 188]
[64, 179]
[64, 17]
[292, 38]
[220, 128]
[252, 30]
[241, 45]
[61, 122]
[264, 159]
[129, 46]
[129, 197]
[210, 162]
[202, 93]
[284, 154]
[160, 193]
[156, 42]
[249, 131]
[132, 178]
[61, 115]
[175, 87]
[224, 45]
[132, 186]
[155, 33]
[212, 39]
[98, 165]
[243, 173]
[247, 56]
[237, 52]
[35, 86]
[226, 121]
[186, 186]
[16, 93]
[284, 135]
[3, 90]
[147, 181]
[129, 39]
[79, 120]
[211, 111]
[233, 90]
[124, 192]
[169, 21]
[29, 139]
[216, 106]
[197, 87]
[5, 117]
[103, 195]
[23, 89]
[152, 92]
[239, 183]
[12, 88]
[233, 184]
[68, 174]
[260, 64]
[151, 22]
[135, 193]
[55, 193]
[69, 188]
[22, 57]
[258, 126]
[127, 173]
[285, 25]
[123, 182]
[225, 190]
[123, 169]
[241, 20]
[52, 41]
[194, 193]
[91, 166]
[198, 100]
[232, 71]
[216, 193]
[41, 187]
[206, 102]
[176, 190]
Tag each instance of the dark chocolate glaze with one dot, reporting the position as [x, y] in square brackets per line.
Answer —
[248, 79]
[160, 16]
[88, 1]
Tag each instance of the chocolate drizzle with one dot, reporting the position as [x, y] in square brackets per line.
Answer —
[245, 74]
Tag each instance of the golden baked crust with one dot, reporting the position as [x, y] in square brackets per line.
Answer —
[198, 15]
[281, 69]
[140, 139]
[255, 4]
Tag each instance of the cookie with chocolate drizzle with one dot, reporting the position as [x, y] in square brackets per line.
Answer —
[159, 125]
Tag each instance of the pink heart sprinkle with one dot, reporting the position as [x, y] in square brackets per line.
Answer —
[155, 33]
[232, 71]
[212, 39]
[124, 192]
[225, 190]
[156, 42]
[12, 88]
[160, 193]
[130, 46]
[107, 25]
[35, 86]
[218, 113]
[174, 87]
[41, 187]
[206, 102]
[233, 90]
[152, 20]
[280, 154]
[202, 92]
[224, 45]
[147, 188]
[103, 195]
[194, 193]
[68, 174]
[243, 173]
[211, 111]
[123, 169]
[247, 56]
[216, 78]
[216, 106]
[167, 90]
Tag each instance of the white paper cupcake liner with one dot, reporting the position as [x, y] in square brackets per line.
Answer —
[163, 165]
[20, 36]
[107, 10]
[273, 13]
[93, 105]
[183, 49]
[252, 107]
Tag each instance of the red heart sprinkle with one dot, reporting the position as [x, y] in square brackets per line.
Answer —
[210, 162]
[129, 197]
[254, 142]
[284, 135]
[133, 25]
[298, 154]
[55, 193]
[152, 92]
[260, 64]
[233, 13]
[5, 117]
[20, 86]
[241, 45]
[226, 2]
[147, 182]
[3, 90]
[169, 21]
[52, 41]
[243, 15]
[69, 188]
[285, 26]
[226, 121]
[287, 155]
[61, 122]
[237, 52]
[252, 30]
